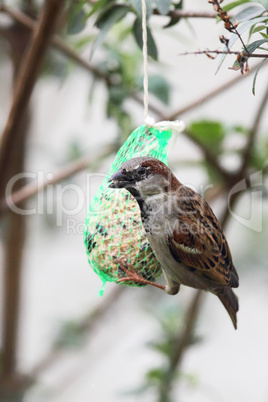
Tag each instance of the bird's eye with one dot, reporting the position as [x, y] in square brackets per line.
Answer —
[141, 170]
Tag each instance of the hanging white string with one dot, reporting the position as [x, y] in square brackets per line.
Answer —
[176, 125]
[149, 121]
[145, 62]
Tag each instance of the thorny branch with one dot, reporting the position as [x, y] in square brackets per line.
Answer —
[242, 57]
[209, 53]
[228, 24]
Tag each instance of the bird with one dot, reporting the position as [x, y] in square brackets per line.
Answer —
[185, 235]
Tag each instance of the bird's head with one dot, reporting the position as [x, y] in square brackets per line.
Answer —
[143, 177]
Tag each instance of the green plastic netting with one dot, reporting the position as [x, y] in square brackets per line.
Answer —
[113, 227]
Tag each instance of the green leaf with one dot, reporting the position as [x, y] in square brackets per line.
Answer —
[236, 66]
[248, 13]
[259, 28]
[97, 6]
[117, 95]
[234, 4]
[163, 6]
[137, 5]
[155, 375]
[75, 151]
[106, 19]
[76, 20]
[70, 335]
[160, 88]
[254, 45]
[256, 74]
[164, 347]
[260, 154]
[110, 15]
[137, 31]
[264, 3]
[210, 133]
[83, 41]
[174, 21]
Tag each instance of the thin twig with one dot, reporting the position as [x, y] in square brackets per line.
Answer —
[228, 24]
[178, 14]
[85, 326]
[207, 97]
[31, 189]
[208, 52]
[181, 346]
[209, 157]
[253, 132]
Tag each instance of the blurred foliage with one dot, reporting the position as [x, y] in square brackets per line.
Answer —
[250, 14]
[260, 154]
[209, 133]
[70, 336]
[171, 325]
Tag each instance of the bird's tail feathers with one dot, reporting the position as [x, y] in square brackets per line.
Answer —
[230, 302]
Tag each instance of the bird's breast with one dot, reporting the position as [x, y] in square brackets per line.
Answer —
[159, 221]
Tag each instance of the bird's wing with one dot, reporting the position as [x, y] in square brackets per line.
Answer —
[199, 242]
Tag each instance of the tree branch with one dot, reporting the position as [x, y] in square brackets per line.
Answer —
[11, 162]
[31, 189]
[209, 157]
[207, 97]
[56, 41]
[253, 132]
[242, 174]
[178, 14]
[85, 326]
[228, 24]
[181, 346]
[25, 83]
[207, 52]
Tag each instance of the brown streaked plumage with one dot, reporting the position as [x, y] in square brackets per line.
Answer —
[182, 229]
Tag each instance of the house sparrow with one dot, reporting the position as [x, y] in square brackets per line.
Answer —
[182, 230]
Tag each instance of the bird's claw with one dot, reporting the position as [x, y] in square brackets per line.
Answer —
[134, 277]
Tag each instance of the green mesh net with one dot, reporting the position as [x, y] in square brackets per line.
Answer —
[113, 227]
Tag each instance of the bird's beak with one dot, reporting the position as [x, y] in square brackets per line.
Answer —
[118, 180]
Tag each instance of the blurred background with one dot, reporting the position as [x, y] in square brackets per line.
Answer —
[70, 95]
